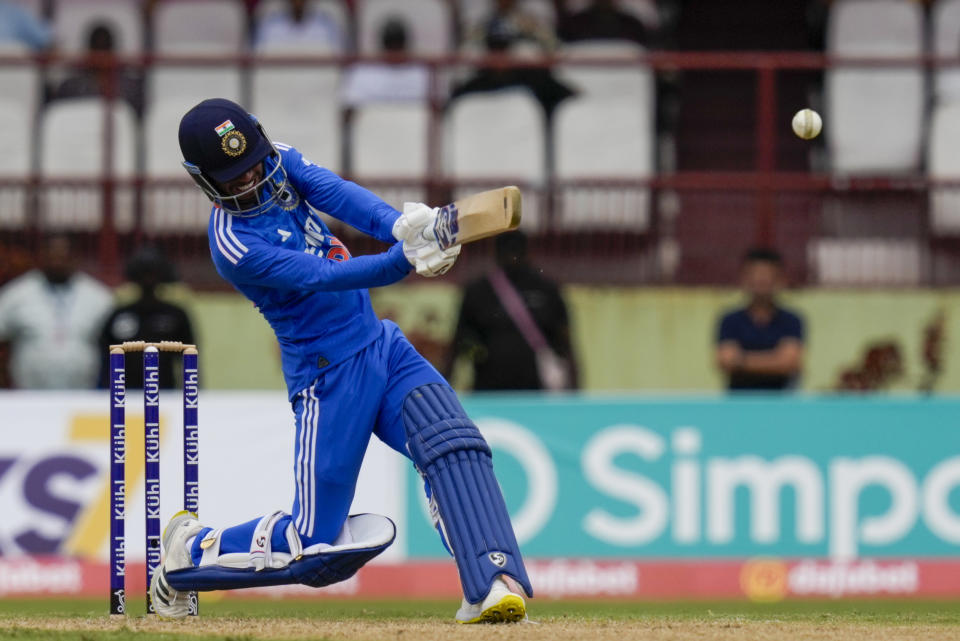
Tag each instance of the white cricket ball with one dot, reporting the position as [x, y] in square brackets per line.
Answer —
[807, 124]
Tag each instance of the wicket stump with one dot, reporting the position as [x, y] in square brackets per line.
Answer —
[118, 448]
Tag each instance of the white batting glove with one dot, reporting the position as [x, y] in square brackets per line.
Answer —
[428, 258]
[415, 220]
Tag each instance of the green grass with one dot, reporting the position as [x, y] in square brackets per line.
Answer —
[876, 611]
[878, 620]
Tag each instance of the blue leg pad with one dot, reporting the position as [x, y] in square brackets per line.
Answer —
[455, 460]
[327, 566]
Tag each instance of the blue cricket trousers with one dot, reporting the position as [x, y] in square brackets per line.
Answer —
[335, 417]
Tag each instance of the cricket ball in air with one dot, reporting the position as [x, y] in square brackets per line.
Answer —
[807, 124]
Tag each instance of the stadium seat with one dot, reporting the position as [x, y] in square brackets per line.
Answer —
[943, 162]
[945, 42]
[73, 19]
[630, 83]
[14, 135]
[597, 139]
[19, 96]
[19, 82]
[169, 208]
[497, 138]
[860, 102]
[866, 261]
[190, 84]
[71, 146]
[175, 90]
[298, 106]
[390, 141]
[199, 26]
[428, 22]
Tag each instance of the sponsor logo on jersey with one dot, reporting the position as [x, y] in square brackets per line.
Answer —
[322, 244]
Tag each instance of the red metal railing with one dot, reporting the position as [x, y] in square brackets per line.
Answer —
[730, 210]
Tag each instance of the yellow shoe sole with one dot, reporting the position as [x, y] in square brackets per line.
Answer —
[164, 534]
[509, 609]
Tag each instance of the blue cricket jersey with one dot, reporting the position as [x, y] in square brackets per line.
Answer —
[296, 272]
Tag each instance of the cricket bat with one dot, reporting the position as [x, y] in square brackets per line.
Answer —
[478, 216]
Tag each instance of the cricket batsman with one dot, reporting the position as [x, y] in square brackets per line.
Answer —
[348, 375]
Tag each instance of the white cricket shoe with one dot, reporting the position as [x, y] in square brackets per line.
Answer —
[500, 606]
[168, 602]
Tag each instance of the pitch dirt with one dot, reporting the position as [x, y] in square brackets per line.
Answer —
[399, 629]
[251, 620]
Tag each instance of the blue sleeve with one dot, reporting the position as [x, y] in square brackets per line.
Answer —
[342, 199]
[268, 266]
[727, 330]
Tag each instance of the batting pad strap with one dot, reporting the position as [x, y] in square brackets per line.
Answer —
[437, 425]
[210, 544]
[454, 458]
[372, 534]
[261, 555]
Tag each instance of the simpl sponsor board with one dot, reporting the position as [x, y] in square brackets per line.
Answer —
[773, 579]
[837, 479]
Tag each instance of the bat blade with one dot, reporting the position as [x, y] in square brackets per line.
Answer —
[481, 215]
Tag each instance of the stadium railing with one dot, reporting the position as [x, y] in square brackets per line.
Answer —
[833, 229]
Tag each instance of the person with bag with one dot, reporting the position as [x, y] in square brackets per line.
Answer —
[513, 326]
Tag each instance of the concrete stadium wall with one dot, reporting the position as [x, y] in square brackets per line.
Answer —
[627, 339]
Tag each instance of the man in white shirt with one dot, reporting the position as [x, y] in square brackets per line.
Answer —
[301, 28]
[394, 80]
[52, 318]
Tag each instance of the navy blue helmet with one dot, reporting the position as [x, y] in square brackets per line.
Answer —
[220, 142]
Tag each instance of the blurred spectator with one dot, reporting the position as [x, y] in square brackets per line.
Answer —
[548, 91]
[301, 27]
[100, 75]
[760, 347]
[18, 25]
[51, 316]
[602, 19]
[396, 79]
[513, 326]
[510, 26]
[148, 318]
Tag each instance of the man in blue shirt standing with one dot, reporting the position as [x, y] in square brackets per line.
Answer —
[348, 376]
[760, 347]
